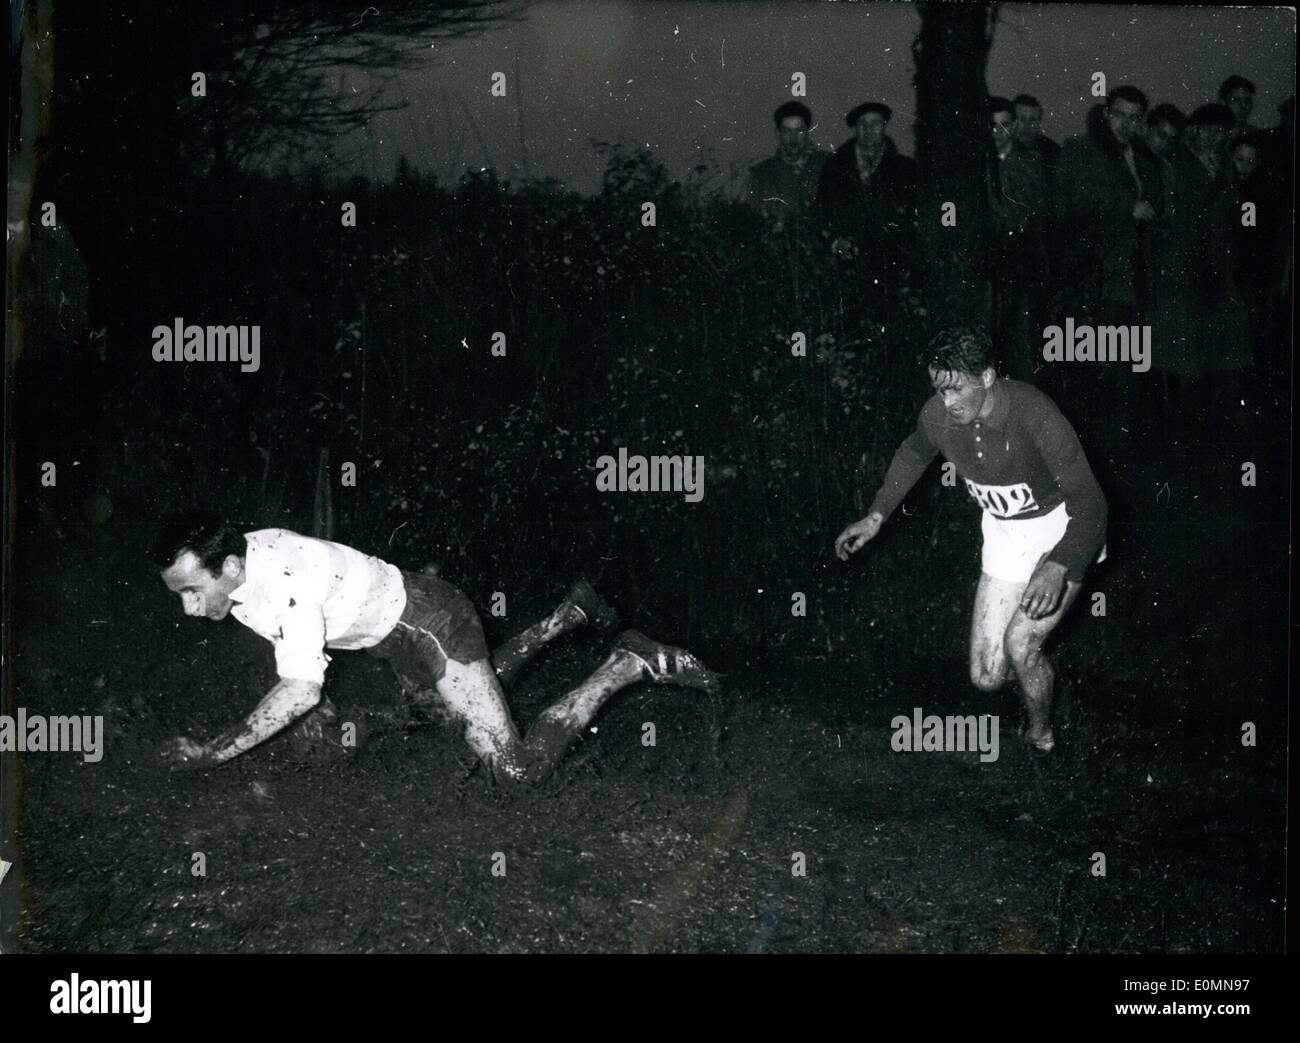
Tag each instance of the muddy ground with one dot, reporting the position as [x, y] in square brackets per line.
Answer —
[689, 845]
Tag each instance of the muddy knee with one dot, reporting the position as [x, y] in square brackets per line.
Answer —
[986, 678]
[513, 763]
[988, 667]
[510, 773]
[519, 770]
[1022, 646]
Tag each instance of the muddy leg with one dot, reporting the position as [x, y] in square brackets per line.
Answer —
[996, 601]
[511, 657]
[560, 724]
[473, 696]
[1034, 671]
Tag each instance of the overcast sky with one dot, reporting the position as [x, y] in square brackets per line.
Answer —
[699, 80]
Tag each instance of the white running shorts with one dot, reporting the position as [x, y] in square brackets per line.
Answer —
[1013, 547]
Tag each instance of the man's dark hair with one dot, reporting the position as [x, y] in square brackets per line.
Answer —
[1129, 94]
[997, 103]
[1212, 115]
[1232, 83]
[792, 108]
[1166, 112]
[211, 537]
[1026, 99]
[960, 349]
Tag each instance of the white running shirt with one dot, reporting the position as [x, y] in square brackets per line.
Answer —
[303, 594]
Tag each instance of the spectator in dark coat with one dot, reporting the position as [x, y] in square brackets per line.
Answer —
[1271, 188]
[1028, 130]
[1253, 240]
[1238, 94]
[1017, 207]
[1221, 320]
[1164, 130]
[1173, 245]
[784, 186]
[867, 199]
[1109, 189]
[1108, 195]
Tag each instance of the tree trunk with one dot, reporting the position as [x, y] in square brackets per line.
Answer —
[953, 148]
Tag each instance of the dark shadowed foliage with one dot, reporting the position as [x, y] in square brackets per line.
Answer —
[376, 346]
[953, 149]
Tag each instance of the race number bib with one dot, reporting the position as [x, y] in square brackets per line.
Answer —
[1003, 501]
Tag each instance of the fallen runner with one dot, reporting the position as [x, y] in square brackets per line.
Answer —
[305, 595]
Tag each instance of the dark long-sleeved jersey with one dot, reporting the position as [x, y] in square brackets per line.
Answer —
[1021, 461]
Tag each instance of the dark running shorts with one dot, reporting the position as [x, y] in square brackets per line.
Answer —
[439, 623]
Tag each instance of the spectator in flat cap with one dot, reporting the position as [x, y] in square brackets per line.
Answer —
[784, 185]
[878, 107]
[1207, 137]
[867, 200]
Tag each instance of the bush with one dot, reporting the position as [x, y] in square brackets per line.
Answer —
[376, 340]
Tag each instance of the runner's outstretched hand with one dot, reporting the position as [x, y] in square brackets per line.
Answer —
[856, 536]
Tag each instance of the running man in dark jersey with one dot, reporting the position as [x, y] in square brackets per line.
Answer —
[1044, 515]
[305, 595]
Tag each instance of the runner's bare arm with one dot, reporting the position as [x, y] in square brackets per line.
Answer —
[281, 706]
[910, 461]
